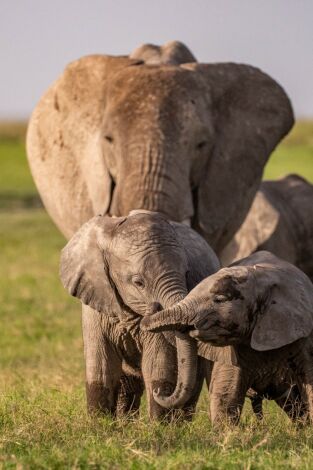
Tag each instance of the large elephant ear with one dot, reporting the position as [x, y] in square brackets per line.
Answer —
[64, 142]
[83, 268]
[288, 312]
[251, 114]
[202, 261]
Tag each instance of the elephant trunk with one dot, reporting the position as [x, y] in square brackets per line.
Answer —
[153, 181]
[186, 365]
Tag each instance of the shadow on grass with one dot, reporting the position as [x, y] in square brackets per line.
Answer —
[13, 201]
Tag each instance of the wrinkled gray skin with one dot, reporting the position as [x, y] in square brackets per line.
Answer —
[114, 134]
[121, 267]
[280, 221]
[259, 310]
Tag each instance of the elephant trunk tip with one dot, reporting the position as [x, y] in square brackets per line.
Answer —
[177, 400]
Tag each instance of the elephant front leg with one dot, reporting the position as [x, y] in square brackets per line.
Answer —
[304, 374]
[293, 404]
[103, 364]
[227, 393]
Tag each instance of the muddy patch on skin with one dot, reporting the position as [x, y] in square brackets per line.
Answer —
[99, 398]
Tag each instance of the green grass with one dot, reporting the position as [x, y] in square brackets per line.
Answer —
[43, 422]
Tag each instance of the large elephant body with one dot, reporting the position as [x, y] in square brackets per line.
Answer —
[280, 220]
[114, 134]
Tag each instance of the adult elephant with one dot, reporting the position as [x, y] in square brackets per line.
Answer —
[114, 134]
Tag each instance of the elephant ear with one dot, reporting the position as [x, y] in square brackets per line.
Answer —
[202, 261]
[251, 114]
[83, 268]
[224, 355]
[258, 227]
[64, 142]
[288, 312]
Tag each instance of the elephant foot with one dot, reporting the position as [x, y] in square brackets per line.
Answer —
[100, 399]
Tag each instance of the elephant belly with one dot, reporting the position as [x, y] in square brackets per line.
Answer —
[274, 383]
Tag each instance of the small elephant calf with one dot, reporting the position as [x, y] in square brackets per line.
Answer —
[260, 311]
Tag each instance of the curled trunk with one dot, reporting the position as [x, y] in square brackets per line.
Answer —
[186, 366]
[186, 374]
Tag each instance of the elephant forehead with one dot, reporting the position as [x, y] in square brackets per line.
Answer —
[150, 81]
[143, 229]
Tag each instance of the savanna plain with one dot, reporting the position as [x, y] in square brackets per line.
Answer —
[43, 420]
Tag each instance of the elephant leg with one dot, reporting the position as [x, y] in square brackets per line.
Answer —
[103, 363]
[293, 405]
[130, 393]
[256, 403]
[159, 369]
[227, 393]
[304, 373]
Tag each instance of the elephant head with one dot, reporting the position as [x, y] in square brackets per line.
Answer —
[129, 265]
[114, 134]
[173, 52]
[260, 301]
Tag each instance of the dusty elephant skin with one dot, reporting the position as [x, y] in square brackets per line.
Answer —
[262, 308]
[114, 134]
[280, 221]
[121, 267]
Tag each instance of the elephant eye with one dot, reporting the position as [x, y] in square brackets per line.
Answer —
[201, 144]
[220, 298]
[108, 138]
[138, 281]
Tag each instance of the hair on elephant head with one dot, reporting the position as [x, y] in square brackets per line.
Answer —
[138, 263]
[260, 300]
[115, 134]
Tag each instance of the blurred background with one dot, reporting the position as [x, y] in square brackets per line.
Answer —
[40, 336]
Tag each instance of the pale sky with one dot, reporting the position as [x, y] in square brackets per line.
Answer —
[39, 37]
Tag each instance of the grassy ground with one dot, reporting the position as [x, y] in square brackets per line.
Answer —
[43, 423]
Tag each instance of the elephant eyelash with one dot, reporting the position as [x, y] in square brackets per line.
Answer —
[138, 282]
[220, 298]
[108, 138]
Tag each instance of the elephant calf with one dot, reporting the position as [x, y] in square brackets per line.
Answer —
[261, 309]
[119, 267]
[280, 221]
